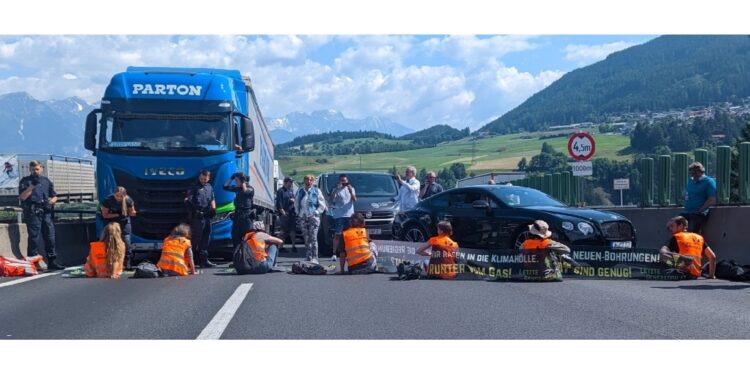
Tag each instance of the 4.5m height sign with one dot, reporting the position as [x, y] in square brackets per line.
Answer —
[581, 147]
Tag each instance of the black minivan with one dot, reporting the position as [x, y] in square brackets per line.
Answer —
[376, 192]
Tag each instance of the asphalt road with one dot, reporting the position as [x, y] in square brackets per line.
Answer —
[284, 306]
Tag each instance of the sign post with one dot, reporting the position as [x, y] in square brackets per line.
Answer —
[621, 184]
[581, 147]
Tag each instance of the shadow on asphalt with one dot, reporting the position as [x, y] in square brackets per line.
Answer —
[705, 287]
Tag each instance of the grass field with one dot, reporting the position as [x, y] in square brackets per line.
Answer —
[489, 154]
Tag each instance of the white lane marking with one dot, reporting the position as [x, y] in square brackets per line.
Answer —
[25, 279]
[218, 324]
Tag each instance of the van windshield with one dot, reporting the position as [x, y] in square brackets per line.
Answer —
[366, 185]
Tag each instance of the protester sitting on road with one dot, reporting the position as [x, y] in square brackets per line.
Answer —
[118, 207]
[11, 267]
[359, 258]
[700, 195]
[443, 264]
[263, 249]
[684, 250]
[541, 255]
[107, 256]
[177, 253]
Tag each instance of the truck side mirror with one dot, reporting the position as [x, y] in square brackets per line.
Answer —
[89, 138]
[247, 134]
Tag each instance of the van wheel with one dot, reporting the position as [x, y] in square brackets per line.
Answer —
[414, 233]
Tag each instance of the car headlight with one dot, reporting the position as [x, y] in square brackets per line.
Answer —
[568, 225]
[585, 228]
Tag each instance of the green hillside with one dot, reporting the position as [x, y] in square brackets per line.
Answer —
[669, 72]
[489, 154]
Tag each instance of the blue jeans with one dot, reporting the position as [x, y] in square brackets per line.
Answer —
[267, 265]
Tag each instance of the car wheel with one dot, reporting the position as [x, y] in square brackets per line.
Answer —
[414, 233]
[520, 238]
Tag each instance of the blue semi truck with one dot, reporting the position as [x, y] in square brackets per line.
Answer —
[158, 127]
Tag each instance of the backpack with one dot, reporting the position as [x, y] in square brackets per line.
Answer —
[147, 270]
[308, 268]
[243, 260]
[409, 271]
[730, 270]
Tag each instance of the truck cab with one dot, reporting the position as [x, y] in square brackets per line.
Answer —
[157, 128]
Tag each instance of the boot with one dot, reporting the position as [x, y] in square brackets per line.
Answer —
[207, 264]
[54, 265]
[127, 265]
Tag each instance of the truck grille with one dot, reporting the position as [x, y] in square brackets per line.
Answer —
[617, 230]
[378, 217]
[160, 204]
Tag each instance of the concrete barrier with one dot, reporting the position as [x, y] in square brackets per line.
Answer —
[71, 241]
[724, 232]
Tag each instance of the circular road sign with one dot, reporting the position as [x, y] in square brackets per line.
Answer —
[581, 146]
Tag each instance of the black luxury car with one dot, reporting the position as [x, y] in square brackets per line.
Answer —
[497, 217]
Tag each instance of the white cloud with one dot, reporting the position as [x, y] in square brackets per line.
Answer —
[365, 76]
[587, 54]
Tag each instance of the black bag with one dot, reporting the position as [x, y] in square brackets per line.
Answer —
[730, 270]
[409, 271]
[147, 270]
[243, 260]
[308, 268]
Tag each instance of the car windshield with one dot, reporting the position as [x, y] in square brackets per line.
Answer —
[366, 185]
[524, 197]
[167, 132]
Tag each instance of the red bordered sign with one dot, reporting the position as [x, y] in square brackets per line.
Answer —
[581, 146]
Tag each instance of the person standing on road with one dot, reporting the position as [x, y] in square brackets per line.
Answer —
[700, 195]
[176, 253]
[263, 249]
[359, 258]
[685, 250]
[118, 208]
[343, 197]
[243, 217]
[541, 255]
[430, 187]
[38, 197]
[201, 204]
[107, 256]
[287, 212]
[408, 192]
[310, 203]
[443, 263]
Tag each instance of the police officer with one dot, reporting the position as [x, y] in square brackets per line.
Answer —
[243, 206]
[38, 197]
[201, 208]
[118, 207]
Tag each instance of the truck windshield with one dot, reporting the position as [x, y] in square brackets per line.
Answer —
[167, 132]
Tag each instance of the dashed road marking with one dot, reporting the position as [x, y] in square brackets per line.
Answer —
[25, 279]
[219, 323]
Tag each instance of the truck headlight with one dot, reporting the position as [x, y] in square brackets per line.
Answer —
[568, 225]
[585, 228]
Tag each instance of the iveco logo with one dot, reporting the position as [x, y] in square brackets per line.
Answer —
[164, 172]
[160, 89]
[368, 215]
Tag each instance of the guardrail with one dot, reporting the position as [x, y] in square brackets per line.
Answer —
[19, 213]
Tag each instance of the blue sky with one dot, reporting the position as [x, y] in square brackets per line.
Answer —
[419, 81]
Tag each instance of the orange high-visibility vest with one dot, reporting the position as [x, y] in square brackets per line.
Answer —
[356, 246]
[443, 258]
[175, 256]
[535, 253]
[10, 267]
[257, 247]
[96, 263]
[691, 245]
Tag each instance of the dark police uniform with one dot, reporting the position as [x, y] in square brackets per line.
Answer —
[285, 201]
[243, 214]
[38, 214]
[199, 198]
[115, 207]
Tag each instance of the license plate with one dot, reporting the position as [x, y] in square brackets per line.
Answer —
[373, 231]
[622, 245]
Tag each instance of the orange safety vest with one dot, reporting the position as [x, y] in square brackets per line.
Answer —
[691, 245]
[443, 258]
[257, 247]
[356, 246]
[175, 256]
[96, 263]
[10, 267]
[535, 259]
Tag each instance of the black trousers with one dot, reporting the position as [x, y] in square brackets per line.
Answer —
[241, 224]
[695, 222]
[40, 225]
[200, 230]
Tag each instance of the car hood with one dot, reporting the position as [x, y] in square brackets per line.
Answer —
[580, 213]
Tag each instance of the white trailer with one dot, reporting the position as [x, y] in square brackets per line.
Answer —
[73, 178]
